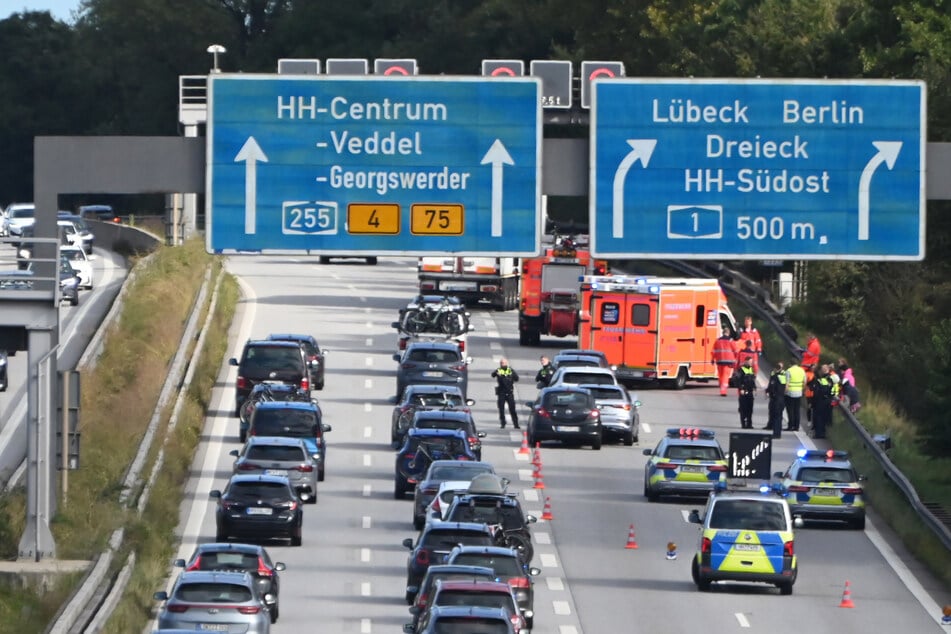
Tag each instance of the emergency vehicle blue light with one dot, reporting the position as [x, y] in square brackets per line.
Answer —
[720, 485]
[802, 452]
[765, 487]
[640, 280]
[653, 289]
[826, 454]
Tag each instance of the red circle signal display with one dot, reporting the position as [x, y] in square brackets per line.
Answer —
[602, 72]
[396, 70]
[503, 70]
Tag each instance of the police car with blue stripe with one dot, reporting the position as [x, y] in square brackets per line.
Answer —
[686, 461]
[746, 536]
[823, 485]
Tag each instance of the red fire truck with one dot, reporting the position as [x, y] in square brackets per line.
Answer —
[550, 295]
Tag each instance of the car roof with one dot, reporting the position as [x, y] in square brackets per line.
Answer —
[276, 441]
[459, 568]
[495, 551]
[568, 387]
[452, 611]
[442, 414]
[434, 388]
[603, 386]
[443, 433]
[272, 479]
[435, 525]
[309, 406]
[484, 585]
[221, 547]
[586, 369]
[216, 576]
[433, 345]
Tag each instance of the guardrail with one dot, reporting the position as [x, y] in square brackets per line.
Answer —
[737, 285]
[24, 283]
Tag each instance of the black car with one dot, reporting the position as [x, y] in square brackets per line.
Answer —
[313, 355]
[438, 472]
[432, 362]
[263, 360]
[422, 447]
[566, 413]
[250, 558]
[444, 572]
[264, 392]
[508, 566]
[433, 545]
[501, 512]
[449, 419]
[258, 507]
[424, 396]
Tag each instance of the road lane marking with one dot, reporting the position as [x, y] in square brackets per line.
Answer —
[741, 619]
[364, 555]
[562, 608]
[369, 342]
[369, 361]
[367, 489]
[365, 589]
[367, 460]
[530, 495]
[367, 432]
[555, 583]
[368, 407]
[548, 560]
[368, 384]
[525, 475]
[646, 428]
[567, 629]
[542, 538]
[367, 521]
[365, 626]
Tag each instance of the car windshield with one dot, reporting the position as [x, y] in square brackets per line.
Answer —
[439, 423]
[284, 422]
[470, 625]
[693, 452]
[748, 515]
[441, 447]
[587, 377]
[506, 567]
[447, 539]
[260, 490]
[22, 213]
[474, 598]
[434, 356]
[577, 400]
[228, 561]
[213, 593]
[275, 453]
[272, 356]
[606, 393]
[825, 474]
[458, 472]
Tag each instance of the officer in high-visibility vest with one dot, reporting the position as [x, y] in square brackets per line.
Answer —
[776, 391]
[824, 392]
[795, 385]
[746, 388]
[724, 356]
[505, 391]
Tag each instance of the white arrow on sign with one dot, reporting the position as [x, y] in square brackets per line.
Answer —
[497, 156]
[641, 149]
[887, 153]
[251, 153]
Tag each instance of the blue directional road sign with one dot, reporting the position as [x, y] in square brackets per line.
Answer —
[374, 165]
[758, 169]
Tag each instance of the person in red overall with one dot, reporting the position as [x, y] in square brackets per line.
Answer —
[750, 333]
[746, 353]
[724, 357]
[810, 356]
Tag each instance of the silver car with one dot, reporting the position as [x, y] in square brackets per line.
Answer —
[281, 456]
[18, 216]
[214, 601]
[620, 417]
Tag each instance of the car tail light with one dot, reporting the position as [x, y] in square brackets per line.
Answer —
[473, 441]
[667, 465]
[196, 565]
[853, 490]
[594, 414]
[437, 506]
[626, 407]
[176, 607]
[422, 557]
[249, 609]
[227, 504]
[430, 490]
[403, 344]
[797, 488]
[306, 468]
[409, 456]
[788, 549]
[242, 383]
[705, 545]
[408, 365]
[421, 602]
[412, 481]
[544, 413]
[291, 506]
[263, 570]
[518, 582]
[716, 467]
[458, 368]
[244, 466]
[305, 384]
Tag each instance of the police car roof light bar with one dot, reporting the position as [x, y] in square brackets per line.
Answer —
[820, 454]
[689, 432]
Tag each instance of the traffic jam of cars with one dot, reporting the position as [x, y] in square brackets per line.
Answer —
[470, 562]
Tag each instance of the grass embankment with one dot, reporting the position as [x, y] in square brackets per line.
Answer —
[118, 397]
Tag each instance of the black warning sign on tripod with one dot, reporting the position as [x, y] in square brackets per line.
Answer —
[750, 455]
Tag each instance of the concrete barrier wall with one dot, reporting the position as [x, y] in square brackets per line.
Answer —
[123, 238]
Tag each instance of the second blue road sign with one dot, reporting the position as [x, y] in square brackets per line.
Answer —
[374, 165]
[758, 169]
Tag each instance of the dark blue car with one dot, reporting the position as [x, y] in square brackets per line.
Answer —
[421, 447]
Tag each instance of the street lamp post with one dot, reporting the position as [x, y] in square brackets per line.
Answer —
[215, 49]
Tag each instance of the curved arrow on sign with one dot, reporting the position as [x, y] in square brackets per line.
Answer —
[251, 153]
[497, 156]
[887, 154]
[641, 149]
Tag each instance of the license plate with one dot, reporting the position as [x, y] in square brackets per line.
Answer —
[432, 374]
[564, 428]
[752, 548]
[214, 627]
[691, 468]
[825, 492]
[278, 472]
[259, 510]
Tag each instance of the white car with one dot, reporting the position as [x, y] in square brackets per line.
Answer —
[80, 262]
[448, 490]
[578, 374]
[18, 216]
[77, 231]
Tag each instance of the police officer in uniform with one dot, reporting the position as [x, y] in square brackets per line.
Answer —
[776, 391]
[505, 391]
[545, 373]
[824, 392]
[746, 387]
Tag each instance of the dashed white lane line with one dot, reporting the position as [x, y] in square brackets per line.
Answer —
[369, 342]
[555, 583]
[368, 383]
[741, 619]
[646, 428]
[367, 489]
[365, 627]
[367, 432]
[367, 460]
[562, 608]
[542, 538]
[365, 589]
[530, 495]
[548, 560]
[368, 407]
[367, 521]
[521, 457]
[567, 629]
[525, 475]
[686, 515]
[369, 361]
[364, 555]
[495, 347]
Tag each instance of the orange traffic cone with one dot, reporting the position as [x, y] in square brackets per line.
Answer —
[847, 597]
[524, 448]
[537, 455]
[539, 480]
[631, 541]
[546, 510]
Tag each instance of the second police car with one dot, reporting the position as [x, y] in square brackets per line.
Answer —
[823, 485]
[686, 461]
